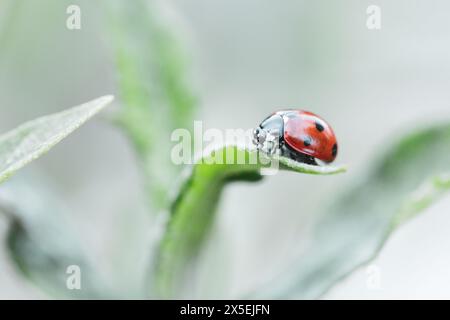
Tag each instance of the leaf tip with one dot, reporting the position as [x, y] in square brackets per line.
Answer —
[104, 100]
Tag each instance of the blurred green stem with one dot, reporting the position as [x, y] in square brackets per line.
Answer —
[155, 96]
[194, 208]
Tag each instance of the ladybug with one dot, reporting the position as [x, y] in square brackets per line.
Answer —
[298, 135]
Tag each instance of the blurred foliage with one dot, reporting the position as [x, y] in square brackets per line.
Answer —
[194, 208]
[354, 228]
[9, 16]
[38, 239]
[41, 242]
[152, 84]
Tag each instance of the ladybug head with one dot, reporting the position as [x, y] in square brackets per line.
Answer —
[268, 134]
[259, 136]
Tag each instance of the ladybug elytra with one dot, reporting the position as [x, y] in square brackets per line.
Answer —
[297, 134]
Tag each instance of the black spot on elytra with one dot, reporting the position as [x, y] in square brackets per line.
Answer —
[319, 127]
[307, 141]
[334, 150]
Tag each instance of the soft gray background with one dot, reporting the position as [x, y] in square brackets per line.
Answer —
[247, 59]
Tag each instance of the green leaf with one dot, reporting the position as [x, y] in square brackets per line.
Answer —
[193, 210]
[42, 243]
[155, 96]
[32, 139]
[38, 237]
[351, 232]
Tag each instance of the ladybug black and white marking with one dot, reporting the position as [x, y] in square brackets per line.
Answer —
[297, 134]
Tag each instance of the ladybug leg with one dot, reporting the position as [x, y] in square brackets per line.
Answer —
[287, 152]
[273, 142]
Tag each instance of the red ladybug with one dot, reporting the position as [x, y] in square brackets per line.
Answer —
[296, 134]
